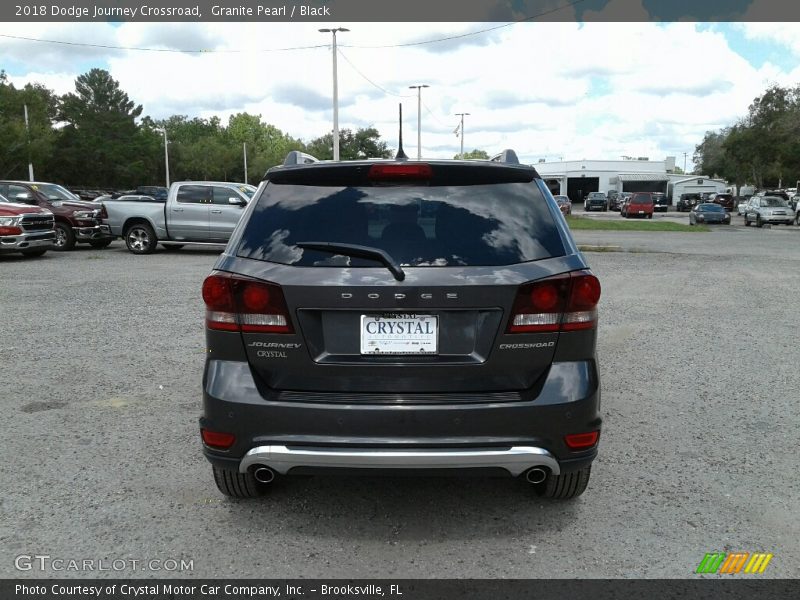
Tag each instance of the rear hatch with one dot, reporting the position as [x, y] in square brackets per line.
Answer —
[396, 281]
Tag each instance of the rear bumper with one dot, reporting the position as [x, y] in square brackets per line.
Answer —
[304, 433]
[27, 240]
[516, 460]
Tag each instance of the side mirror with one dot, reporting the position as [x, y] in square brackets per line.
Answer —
[237, 201]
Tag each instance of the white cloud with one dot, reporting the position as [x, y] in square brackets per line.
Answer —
[597, 90]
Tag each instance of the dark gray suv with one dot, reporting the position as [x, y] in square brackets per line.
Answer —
[433, 317]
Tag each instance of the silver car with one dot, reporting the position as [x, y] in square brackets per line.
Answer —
[768, 209]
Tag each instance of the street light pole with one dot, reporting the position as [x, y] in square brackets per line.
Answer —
[28, 134]
[166, 152]
[244, 148]
[419, 117]
[462, 115]
[335, 93]
[684, 163]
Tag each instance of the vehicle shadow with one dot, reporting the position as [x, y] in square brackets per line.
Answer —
[403, 508]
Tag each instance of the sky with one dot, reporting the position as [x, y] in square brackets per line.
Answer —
[555, 90]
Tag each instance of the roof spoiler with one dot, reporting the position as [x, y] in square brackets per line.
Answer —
[295, 157]
[506, 156]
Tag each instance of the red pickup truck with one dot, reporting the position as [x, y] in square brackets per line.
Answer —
[25, 229]
[77, 222]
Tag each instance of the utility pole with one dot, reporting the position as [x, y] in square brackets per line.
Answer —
[244, 147]
[166, 152]
[335, 93]
[28, 133]
[684, 163]
[462, 115]
[419, 117]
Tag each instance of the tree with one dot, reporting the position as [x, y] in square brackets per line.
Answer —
[763, 148]
[473, 154]
[101, 144]
[21, 144]
[364, 143]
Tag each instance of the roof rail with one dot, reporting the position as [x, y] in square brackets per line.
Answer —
[506, 156]
[295, 157]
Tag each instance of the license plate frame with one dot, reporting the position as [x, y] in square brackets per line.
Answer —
[403, 334]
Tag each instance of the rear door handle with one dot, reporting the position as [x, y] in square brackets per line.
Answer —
[177, 210]
[217, 212]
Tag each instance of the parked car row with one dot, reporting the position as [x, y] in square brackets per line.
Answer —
[37, 216]
[76, 221]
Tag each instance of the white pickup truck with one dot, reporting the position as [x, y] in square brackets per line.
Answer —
[195, 212]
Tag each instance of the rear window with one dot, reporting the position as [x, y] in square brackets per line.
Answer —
[642, 199]
[433, 226]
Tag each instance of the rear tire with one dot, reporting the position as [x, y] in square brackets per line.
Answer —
[758, 221]
[565, 486]
[140, 238]
[237, 485]
[746, 222]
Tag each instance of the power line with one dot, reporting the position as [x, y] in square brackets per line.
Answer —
[435, 118]
[478, 32]
[291, 48]
[381, 88]
[174, 50]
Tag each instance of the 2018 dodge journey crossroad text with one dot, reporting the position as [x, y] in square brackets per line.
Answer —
[401, 316]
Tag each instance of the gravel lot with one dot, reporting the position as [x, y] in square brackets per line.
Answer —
[102, 356]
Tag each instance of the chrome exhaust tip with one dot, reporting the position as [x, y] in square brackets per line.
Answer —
[264, 474]
[536, 475]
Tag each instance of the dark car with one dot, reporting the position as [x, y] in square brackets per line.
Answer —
[396, 315]
[564, 204]
[709, 213]
[595, 200]
[777, 194]
[660, 202]
[614, 198]
[155, 191]
[640, 204]
[687, 202]
[77, 221]
[724, 200]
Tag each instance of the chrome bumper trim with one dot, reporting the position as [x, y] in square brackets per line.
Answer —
[23, 240]
[515, 460]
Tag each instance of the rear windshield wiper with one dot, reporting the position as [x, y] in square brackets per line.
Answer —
[357, 251]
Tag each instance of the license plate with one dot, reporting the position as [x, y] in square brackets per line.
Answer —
[641, 212]
[399, 334]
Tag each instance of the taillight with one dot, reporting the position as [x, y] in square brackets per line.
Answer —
[400, 171]
[562, 303]
[247, 305]
[217, 439]
[581, 441]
